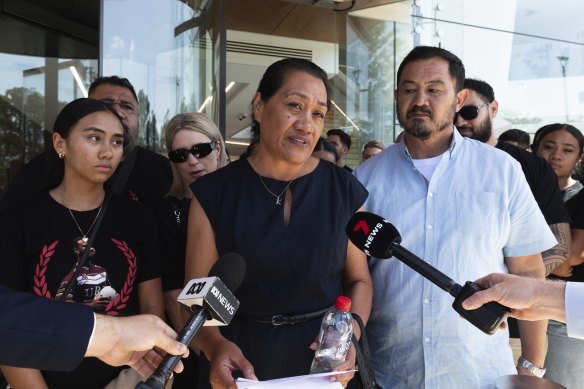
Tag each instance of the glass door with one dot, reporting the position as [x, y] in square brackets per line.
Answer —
[170, 51]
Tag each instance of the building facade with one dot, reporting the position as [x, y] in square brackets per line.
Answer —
[209, 55]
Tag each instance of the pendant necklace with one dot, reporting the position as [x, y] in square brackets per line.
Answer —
[84, 237]
[278, 197]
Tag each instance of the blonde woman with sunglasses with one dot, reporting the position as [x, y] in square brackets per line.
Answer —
[195, 148]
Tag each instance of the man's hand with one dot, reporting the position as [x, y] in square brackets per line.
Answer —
[563, 270]
[138, 341]
[529, 299]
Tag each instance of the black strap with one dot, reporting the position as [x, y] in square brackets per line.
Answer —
[366, 371]
[83, 258]
[125, 171]
[279, 320]
[117, 189]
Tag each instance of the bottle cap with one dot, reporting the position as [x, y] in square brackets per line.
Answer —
[343, 303]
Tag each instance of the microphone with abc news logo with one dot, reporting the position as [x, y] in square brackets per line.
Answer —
[210, 302]
[378, 238]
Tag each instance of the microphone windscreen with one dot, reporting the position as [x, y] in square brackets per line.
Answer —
[372, 234]
[230, 268]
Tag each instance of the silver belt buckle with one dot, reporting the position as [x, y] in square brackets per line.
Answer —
[277, 320]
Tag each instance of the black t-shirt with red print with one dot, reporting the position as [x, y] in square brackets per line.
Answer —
[40, 249]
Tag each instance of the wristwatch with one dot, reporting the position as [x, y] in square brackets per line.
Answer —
[536, 371]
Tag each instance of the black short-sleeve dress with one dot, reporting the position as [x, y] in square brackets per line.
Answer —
[291, 269]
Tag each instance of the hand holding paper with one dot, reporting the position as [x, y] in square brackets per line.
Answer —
[226, 359]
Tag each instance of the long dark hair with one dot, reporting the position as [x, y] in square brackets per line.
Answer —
[548, 129]
[578, 172]
[64, 123]
[46, 170]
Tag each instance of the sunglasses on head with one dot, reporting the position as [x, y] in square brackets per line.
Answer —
[199, 150]
[470, 112]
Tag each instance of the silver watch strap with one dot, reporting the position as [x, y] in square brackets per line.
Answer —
[536, 371]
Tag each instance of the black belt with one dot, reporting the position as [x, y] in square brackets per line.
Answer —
[279, 320]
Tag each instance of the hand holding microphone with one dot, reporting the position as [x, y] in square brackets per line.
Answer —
[210, 302]
[380, 239]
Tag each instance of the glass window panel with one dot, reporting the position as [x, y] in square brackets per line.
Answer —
[32, 92]
[529, 51]
[170, 66]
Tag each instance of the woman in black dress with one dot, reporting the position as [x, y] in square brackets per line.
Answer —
[285, 212]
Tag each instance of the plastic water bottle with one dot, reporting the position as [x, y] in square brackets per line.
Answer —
[334, 337]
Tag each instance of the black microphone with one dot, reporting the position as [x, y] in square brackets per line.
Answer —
[378, 238]
[210, 302]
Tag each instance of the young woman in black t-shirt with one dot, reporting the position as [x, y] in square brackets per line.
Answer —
[44, 238]
[562, 145]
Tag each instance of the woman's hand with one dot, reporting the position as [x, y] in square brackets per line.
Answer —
[349, 364]
[225, 359]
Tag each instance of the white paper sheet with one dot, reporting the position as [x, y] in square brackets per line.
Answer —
[311, 381]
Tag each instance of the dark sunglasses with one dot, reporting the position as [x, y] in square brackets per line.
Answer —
[199, 150]
[470, 112]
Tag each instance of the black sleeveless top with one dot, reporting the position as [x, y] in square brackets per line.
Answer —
[291, 269]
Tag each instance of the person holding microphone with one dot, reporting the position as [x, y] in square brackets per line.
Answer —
[533, 299]
[34, 334]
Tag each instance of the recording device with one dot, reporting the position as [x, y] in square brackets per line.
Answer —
[210, 302]
[378, 238]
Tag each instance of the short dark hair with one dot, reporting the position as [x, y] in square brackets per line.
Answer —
[548, 129]
[345, 138]
[326, 145]
[482, 88]
[113, 80]
[275, 76]
[455, 65]
[515, 135]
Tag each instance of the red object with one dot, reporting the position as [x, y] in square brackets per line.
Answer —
[343, 303]
[361, 225]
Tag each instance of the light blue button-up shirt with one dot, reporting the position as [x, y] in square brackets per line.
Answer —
[476, 210]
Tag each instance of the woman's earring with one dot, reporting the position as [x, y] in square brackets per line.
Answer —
[61, 155]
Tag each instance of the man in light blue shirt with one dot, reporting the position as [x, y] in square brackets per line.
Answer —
[464, 207]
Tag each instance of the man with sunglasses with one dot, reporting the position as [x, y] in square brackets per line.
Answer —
[477, 124]
[475, 120]
[466, 209]
[150, 175]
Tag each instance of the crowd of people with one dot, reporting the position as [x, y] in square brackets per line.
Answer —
[118, 229]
